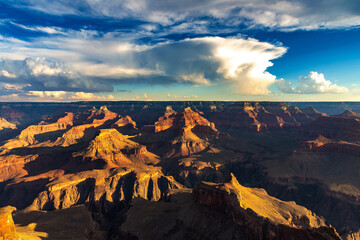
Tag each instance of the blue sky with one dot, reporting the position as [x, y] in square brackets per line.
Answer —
[76, 50]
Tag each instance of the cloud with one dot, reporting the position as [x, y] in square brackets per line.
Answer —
[6, 74]
[10, 97]
[214, 60]
[64, 96]
[48, 30]
[99, 65]
[47, 94]
[90, 96]
[182, 97]
[314, 83]
[276, 14]
[144, 97]
[42, 74]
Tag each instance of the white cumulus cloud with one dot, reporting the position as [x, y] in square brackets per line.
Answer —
[314, 83]
[5, 73]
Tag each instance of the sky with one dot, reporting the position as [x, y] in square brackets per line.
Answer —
[166, 50]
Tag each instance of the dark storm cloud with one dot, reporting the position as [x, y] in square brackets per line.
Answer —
[40, 74]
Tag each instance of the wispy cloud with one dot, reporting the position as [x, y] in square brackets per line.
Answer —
[278, 14]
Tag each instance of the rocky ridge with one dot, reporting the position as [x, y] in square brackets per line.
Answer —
[223, 211]
[6, 124]
[262, 115]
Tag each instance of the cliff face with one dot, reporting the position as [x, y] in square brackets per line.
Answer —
[312, 112]
[85, 131]
[179, 134]
[186, 143]
[178, 120]
[6, 124]
[349, 114]
[125, 122]
[12, 166]
[77, 134]
[265, 217]
[223, 211]
[322, 144]
[7, 227]
[102, 115]
[29, 135]
[343, 128]
[115, 149]
[259, 116]
[102, 187]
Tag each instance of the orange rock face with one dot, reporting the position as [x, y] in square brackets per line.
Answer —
[116, 149]
[28, 135]
[182, 133]
[77, 134]
[125, 121]
[7, 227]
[265, 217]
[186, 118]
[6, 124]
[102, 115]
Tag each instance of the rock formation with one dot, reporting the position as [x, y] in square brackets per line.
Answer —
[312, 112]
[100, 116]
[179, 120]
[349, 114]
[6, 124]
[224, 211]
[115, 149]
[29, 135]
[99, 160]
[102, 187]
[259, 116]
[125, 122]
[7, 227]
[343, 128]
[179, 133]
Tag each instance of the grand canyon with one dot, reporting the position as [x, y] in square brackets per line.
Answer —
[179, 170]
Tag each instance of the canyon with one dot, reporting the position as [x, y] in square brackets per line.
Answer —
[179, 170]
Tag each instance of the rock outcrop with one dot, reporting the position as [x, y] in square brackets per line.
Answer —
[77, 134]
[101, 187]
[87, 125]
[115, 149]
[178, 120]
[349, 114]
[125, 122]
[312, 112]
[7, 226]
[178, 134]
[347, 129]
[100, 116]
[6, 124]
[35, 133]
[265, 217]
[259, 116]
[223, 211]
[323, 144]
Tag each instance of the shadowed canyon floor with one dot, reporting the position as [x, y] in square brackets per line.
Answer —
[180, 170]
